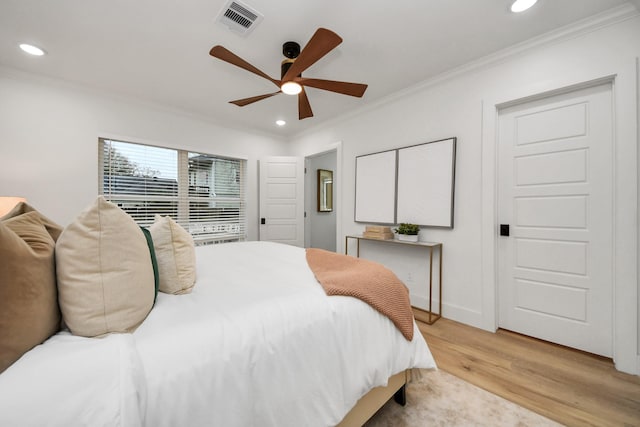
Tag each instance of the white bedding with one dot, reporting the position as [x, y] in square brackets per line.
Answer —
[257, 343]
[75, 381]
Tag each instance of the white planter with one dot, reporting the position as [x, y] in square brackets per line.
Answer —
[408, 237]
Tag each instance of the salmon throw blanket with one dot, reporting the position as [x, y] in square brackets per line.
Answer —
[366, 280]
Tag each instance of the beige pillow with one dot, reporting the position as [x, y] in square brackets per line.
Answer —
[176, 256]
[105, 276]
[22, 208]
[29, 312]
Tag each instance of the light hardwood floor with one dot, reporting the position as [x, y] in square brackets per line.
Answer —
[569, 386]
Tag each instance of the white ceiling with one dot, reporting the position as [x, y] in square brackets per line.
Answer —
[157, 50]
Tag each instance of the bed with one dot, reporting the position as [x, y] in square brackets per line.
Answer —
[256, 343]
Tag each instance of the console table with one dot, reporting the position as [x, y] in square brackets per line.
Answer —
[427, 316]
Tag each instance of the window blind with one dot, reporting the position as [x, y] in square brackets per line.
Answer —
[202, 192]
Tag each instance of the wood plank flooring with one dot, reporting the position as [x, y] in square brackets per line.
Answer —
[569, 386]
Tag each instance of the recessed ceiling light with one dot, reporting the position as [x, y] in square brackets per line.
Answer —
[281, 122]
[31, 49]
[522, 5]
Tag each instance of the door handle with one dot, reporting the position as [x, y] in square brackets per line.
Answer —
[263, 221]
[504, 229]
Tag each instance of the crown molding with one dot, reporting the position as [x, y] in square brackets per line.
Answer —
[53, 82]
[596, 22]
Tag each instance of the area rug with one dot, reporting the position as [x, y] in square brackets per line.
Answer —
[436, 398]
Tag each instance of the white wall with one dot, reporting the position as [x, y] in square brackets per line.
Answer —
[49, 142]
[453, 106]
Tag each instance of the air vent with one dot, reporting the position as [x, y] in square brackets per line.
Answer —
[239, 17]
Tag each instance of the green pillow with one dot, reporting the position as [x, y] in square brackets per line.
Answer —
[154, 261]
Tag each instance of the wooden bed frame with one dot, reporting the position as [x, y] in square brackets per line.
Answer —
[369, 404]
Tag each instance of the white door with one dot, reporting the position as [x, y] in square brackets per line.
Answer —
[555, 191]
[282, 200]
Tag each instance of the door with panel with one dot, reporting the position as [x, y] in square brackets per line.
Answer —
[282, 200]
[555, 187]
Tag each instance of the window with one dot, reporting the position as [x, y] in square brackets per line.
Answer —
[203, 193]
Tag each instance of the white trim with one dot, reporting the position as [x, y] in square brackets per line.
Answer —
[462, 314]
[625, 306]
[307, 203]
[160, 144]
[625, 301]
[489, 212]
[450, 311]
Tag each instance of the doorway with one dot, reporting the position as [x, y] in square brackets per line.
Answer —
[320, 226]
[555, 208]
[282, 200]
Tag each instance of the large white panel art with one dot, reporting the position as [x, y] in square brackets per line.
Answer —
[411, 184]
[426, 175]
[376, 188]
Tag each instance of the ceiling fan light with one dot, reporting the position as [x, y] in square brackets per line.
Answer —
[522, 5]
[291, 88]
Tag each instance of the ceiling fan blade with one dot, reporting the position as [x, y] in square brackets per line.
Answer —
[247, 101]
[345, 88]
[322, 42]
[304, 108]
[227, 56]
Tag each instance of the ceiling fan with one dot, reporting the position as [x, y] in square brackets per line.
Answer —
[291, 82]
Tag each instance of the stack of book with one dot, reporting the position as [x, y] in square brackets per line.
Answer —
[378, 232]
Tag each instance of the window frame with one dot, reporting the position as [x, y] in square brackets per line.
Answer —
[215, 225]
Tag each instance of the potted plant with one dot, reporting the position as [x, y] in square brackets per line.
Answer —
[407, 232]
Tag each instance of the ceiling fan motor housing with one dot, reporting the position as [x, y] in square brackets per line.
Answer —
[284, 67]
[290, 50]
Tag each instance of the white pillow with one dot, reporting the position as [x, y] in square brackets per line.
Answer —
[105, 276]
[175, 254]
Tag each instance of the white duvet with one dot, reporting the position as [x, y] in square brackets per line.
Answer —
[257, 343]
[75, 381]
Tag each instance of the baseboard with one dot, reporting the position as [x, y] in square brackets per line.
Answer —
[453, 312]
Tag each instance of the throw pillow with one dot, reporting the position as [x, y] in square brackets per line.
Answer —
[22, 208]
[29, 312]
[176, 256]
[105, 276]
